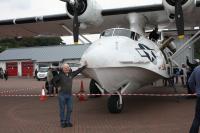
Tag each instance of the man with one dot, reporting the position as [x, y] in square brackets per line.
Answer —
[6, 74]
[154, 36]
[50, 81]
[194, 83]
[191, 69]
[55, 73]
[64, 80]
[183, 74]
[1, 73]
[36, 71]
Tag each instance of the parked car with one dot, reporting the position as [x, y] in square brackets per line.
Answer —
[42, 73]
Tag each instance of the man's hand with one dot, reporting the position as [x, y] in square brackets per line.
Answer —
[83, 64]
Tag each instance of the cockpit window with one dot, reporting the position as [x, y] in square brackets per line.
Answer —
[108, 32]
[137, 36]
[120, 32]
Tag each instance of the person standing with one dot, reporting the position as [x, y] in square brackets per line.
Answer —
[154, 36]
[50, 81]
[1, 73]
[6, 74]
[36, 71]
[64, 80]
[194, 83]
[191, 69]
[183, 74]
[55, 73]
[175, 75]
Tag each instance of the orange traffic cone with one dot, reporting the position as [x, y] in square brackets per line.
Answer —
[43, 96]
[81, 93]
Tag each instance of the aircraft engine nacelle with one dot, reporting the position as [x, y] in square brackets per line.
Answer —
[89, 12]
[187, 6]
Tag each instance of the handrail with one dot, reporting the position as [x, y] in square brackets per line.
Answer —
[192, 40]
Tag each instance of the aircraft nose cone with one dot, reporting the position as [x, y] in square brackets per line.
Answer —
[94, 56]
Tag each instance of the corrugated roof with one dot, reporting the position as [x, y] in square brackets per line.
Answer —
[45, 54]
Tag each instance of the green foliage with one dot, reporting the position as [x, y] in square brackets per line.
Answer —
[29, 42]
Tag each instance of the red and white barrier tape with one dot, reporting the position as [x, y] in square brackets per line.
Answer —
[15, 90]
[139, 94]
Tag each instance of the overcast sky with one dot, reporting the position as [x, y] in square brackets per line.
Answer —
[27, 8]
[24, 8]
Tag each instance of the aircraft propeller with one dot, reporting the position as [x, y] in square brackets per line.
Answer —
[76, 23]
[179, 18]
[75, 7]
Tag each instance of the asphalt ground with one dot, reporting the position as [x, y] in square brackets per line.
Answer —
[141, 114]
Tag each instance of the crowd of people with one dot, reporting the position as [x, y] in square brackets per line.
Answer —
[3, 74]
[181, 75]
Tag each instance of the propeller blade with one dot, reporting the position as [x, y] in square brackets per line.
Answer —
[179, 18]
[76, 24]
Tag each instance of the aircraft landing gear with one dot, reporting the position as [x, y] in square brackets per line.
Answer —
[94, 88]
[115, 103]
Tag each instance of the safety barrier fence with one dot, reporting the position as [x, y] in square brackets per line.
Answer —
[84, 94]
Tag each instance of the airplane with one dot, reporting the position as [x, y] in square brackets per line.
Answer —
[123, 59]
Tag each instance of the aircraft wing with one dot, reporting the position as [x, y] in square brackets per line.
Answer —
[52, 25]
[34, 26]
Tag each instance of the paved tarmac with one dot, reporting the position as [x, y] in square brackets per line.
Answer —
[141, 114]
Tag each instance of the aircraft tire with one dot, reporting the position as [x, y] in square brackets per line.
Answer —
[94, 89]
[114, 105]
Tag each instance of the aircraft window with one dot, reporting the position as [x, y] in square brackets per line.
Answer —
[133, 35]
[107, 33]
[73, 64]
[137, 36]
[121, 32]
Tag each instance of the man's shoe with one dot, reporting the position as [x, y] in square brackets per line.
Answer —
[69, 125]
[63, 125]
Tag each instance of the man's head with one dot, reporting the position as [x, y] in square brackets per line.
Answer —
[156, 29]
[66, 68]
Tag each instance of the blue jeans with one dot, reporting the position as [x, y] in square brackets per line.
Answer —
[196, 121]
[65, 99]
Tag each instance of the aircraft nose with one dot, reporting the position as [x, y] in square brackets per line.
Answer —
[107, 52]
[94, 56]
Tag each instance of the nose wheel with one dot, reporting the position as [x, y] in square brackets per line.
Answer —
[94, 89]
[115, 103]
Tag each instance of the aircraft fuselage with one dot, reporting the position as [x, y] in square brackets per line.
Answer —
[122, 58]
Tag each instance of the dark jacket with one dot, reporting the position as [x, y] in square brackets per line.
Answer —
[65, 81]
[194, 80]
[154, 35]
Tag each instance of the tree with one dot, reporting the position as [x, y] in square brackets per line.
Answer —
[29, 42]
